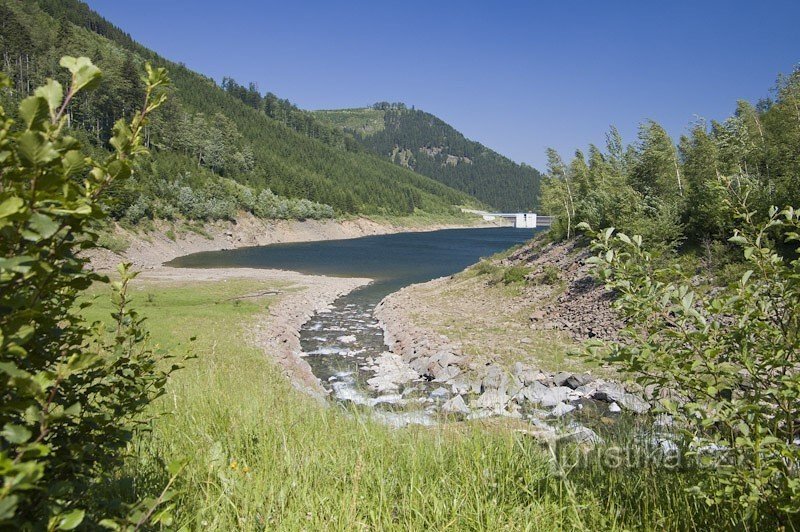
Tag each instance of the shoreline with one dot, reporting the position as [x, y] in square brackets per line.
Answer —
[150, 250]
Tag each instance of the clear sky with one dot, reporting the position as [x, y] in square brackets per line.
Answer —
[516, 76]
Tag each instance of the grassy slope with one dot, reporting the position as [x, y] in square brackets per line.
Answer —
[264, 456]
[364, 120]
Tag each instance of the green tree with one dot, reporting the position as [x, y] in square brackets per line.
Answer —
[73, 395]
[725, 366]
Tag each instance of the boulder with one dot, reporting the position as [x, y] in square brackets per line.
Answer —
[581, 434]
[554, 396]
[561, 409]
[494, 400]
[613, 392]
[456, 405]
[524, 373]
[444, 374]
[495, 378]
[461, 384]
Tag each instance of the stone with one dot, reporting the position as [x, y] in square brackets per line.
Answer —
[461, 384]
[526, 374]
[533, 392]
[440, 392]
[495, 378]
[445, 374]
[456, 405]
[576, 381]
[494, 400]
[613, 392]
[614, 407]
[554, 396]
[561, 409]
[581, 434]
[538, 315]
[560, 378]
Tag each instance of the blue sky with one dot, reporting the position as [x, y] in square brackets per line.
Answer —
[516, 76]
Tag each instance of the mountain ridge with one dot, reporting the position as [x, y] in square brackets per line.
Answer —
[425, 143]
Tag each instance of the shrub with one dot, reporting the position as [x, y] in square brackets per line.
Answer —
[72, 396]
[549, 276]
[727, 366]
[515, 274]
[112, 242]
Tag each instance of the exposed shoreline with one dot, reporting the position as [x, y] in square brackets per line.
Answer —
[150, 250]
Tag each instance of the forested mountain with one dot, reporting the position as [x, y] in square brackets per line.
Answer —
[216, 149]
[688, 192]
[429, 146]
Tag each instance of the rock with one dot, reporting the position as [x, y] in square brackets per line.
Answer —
[445, 374]
[534, 392]
[494, 400]
[524, 373]
[615, 392]
[456, 405]
[440, 392]
[349, 339]
[576, 381]
[538, 315]
[560, 378]
[495, 378]
[462, 384]
[581, 434]
[561, 409]
[554, 396]
[614, 407]
[390, 372]
[525, 340]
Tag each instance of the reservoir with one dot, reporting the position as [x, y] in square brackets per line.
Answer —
[339, 344]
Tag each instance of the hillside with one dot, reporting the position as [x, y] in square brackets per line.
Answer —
[426, 144]
[216, 149]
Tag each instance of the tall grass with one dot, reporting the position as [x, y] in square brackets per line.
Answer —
[263, 456]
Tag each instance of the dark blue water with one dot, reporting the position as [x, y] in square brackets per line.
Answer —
[393, 261]
[340, 344]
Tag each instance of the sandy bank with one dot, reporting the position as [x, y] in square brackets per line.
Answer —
[152, 249]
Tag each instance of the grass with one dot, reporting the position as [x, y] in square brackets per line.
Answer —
[264, 457]
[366, 121]
[113, 242]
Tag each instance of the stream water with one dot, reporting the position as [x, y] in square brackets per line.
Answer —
[338, 344]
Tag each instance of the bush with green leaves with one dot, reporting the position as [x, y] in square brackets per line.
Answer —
[726, 366]
[72, 393]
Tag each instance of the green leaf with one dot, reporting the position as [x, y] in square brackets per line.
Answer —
[73, 162]
[11, 206]
[71, 520]
[110, 524]
[16, 434]
[53, 93]
[8, 507]
[84, 74]
[35, 112]
[34, 149]
[43, 225]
